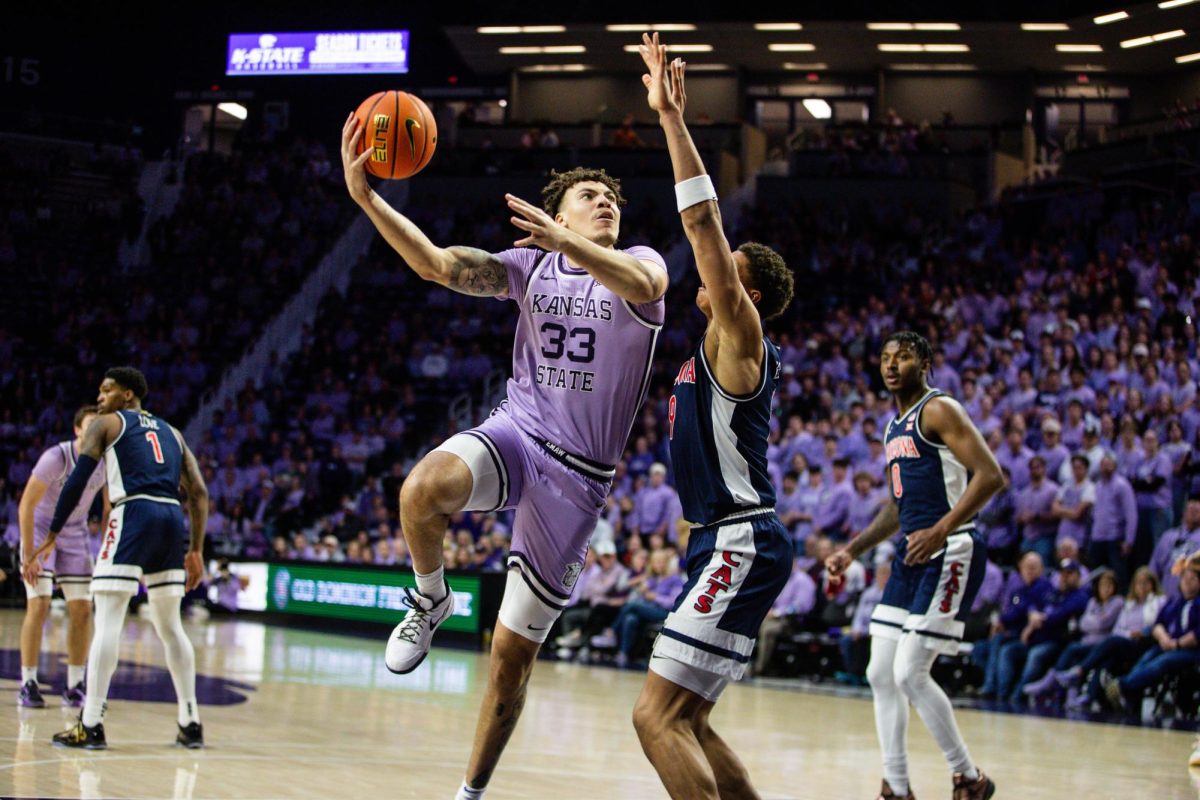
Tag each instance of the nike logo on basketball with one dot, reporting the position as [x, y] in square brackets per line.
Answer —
[409, 124]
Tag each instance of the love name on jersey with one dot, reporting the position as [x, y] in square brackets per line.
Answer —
[720, 581]
[148, 422]
[902, 447]
[558, 305]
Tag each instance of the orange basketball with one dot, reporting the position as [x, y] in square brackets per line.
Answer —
[400, 131]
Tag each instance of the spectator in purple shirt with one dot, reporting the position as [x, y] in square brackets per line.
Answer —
[865, 503]
[656, 507]
[651, 598]
[1052, 449]
[1176, 543]
[836, 500]
[1096, 625]
[796, 601]
[1152, 488]
[1176, 636]
[1014, 456]
[810, 504]
[1044, 635]
[789, 504]
[1033, 511]
[1073, 505]
[1114, 521]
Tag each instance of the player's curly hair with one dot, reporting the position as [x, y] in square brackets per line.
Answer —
[561, 182]
[130, 378]
[771, 276]
[914, 340]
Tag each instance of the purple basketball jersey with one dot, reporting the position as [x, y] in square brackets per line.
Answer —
[582, 355]
[53, 469]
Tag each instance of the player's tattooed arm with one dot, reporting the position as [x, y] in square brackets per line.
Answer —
[476, 272]
[197, 498]
[885, 524]
[99, 435]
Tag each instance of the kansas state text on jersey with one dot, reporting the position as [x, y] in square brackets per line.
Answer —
[145, 460]
[719, 440]
[582, 355]
[927, 478]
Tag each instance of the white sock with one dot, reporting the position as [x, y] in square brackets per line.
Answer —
[465, 792]
[891, 713]
[181, 657]
[28, 674]
[913, 664]
[74, 675]
[432, 585]
[102, 658]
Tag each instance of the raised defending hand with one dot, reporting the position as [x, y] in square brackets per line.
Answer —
[664, 83]
[352, 165]
[543, 231]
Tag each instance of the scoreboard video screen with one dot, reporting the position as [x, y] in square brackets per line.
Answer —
[317, 53]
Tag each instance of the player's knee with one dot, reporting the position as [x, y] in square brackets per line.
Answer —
[38, 609]
[79, 611]
[880, 674]
[436, 485]
[908, 676]
[510, 669]
[648, 719]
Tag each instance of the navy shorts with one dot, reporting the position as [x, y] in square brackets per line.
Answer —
[933, 599]
[144, 539]
[736, 568]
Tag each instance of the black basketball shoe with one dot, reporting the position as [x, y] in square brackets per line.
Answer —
[82, 736]
[191, 736]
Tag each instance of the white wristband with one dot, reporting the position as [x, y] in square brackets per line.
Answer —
[693, 191]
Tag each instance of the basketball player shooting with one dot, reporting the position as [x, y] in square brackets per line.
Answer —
[941, 473]
[739, 554]
[590, 315]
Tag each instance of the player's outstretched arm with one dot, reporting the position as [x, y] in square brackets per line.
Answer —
[948, 420]
[733, 310]
[466, 270]
[197, 507]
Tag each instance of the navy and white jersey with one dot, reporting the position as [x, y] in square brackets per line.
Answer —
[927, 479]
[145, 460]
[719, 440]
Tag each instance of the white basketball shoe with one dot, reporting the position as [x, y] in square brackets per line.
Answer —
[410, 640]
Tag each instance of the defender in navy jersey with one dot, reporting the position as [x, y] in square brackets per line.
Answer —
[941, 473]
[146, 464]
[739, 555]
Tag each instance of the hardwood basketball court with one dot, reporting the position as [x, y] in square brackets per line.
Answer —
[290, 713]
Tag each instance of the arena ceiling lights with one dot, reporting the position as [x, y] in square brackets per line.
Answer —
[495, 29]
[791, 47]
[923, 48]
[1190, 57]
[1175, 4]
[933, 67]
[539, 50]
[554, 68]
[913, 26]
[820, 109]
[1079, 48]
[1045, 26]
[653, 26]
[1116, 16]
[778, 26]
[1158, 37]
[814, 66]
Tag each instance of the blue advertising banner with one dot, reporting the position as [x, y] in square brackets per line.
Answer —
[339, 52]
